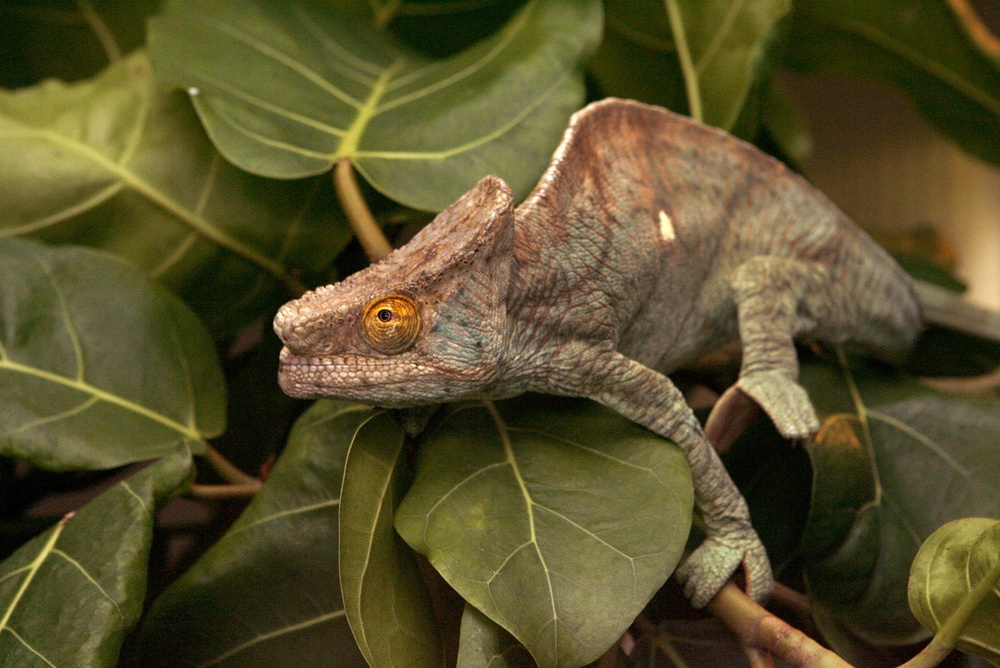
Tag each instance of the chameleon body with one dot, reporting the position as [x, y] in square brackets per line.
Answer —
[649, 241]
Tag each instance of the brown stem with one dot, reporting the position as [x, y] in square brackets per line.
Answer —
[359, 216]
[978, 31]
[221, 492]
[756, 627]
[226, 469]
[101, 31]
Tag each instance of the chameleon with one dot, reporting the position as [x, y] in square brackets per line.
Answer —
[650, 240]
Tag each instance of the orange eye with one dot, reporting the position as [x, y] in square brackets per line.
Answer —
[391, 323]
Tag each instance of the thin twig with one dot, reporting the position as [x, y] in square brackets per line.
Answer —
[221, 492]
[101, 31]
[756, 627]
[691, 87]
[359, 216]
[226, 470]
[977, 29]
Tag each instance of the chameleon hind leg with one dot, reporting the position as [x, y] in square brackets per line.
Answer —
[651, 400]
[776, 299]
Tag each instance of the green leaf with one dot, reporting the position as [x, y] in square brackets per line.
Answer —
[98, 365]
[955, 585]
[557, 519]
[285, 91]
[117, 164]
[68, 597]
[720, 45]
[919, 47]
[892, 463]
[267, 593]
[385, 598]
[485, 644]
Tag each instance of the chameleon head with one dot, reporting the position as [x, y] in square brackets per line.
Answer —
[422, 326]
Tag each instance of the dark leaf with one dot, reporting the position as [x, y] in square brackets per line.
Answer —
[98, 365]
[68, 597]
[267, 594]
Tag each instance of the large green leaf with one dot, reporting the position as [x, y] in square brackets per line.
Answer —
[116, 163]
[285, 90]
[267, 593]
[98, 365]
[893, 462]
[68, 597]
[957, 571]
[725, 40]
[557, 519]
[385, 598]
[918, 46]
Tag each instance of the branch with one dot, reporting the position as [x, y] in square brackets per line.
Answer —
[758, 628]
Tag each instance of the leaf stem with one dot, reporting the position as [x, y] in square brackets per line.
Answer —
[224, 492]
[226, 469]
[951, 630]
[101, 31]
[691, 87]
[359, 216]
[756, 627]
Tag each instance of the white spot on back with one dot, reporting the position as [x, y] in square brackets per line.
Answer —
[666, 227]
[194, 90]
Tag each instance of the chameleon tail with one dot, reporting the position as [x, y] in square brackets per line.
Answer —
[948, 309]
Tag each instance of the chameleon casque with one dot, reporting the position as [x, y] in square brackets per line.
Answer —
[649, 241]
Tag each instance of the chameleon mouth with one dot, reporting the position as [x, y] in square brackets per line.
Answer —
[350, 377]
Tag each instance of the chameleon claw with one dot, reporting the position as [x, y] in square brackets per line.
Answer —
[784, 400]
[710, 566]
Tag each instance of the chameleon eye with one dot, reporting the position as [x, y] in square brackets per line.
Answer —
[391, 323]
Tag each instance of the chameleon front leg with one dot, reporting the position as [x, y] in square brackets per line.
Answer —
[776, 300]
[651, 400]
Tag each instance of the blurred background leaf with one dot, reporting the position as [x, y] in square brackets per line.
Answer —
[117, 164]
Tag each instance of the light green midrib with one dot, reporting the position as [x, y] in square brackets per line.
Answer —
[352, 137]
[187, 431]
[529, 504]
[194, 221]
[948, 76]
[277, 633]
[33, 567]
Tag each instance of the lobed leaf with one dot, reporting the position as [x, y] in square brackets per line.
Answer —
[68, 597]
[267, 592]
[385, 599]
[544, 511]
[285, 90]
[98, 365]
[893, 462]
[117, 164]
[919, 47]
[957, 572]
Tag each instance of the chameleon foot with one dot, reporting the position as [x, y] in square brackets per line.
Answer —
[709, 567]
[784, 401]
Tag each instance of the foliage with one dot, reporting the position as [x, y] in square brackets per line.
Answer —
[167, 189]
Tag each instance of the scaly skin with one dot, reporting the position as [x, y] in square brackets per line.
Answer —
[649, 241]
